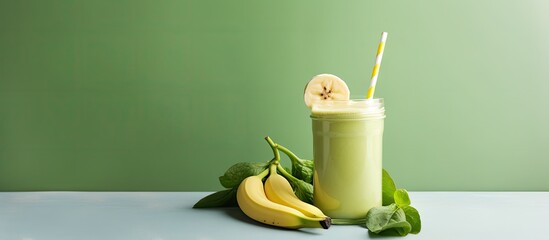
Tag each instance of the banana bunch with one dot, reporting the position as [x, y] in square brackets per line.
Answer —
[275, 203]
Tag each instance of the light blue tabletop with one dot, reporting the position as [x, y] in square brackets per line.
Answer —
[169, 215]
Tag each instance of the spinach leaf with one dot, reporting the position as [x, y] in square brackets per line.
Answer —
[238, 172]
[223, 198]
[386, 218]
[303, 169]
[401, 197]
[303, 190]
[412, 217]
[388, 188]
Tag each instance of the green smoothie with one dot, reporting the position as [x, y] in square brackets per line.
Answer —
[347, 148]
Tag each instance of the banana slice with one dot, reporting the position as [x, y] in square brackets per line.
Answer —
[325, 87]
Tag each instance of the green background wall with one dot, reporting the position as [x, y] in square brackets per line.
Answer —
[165, 95]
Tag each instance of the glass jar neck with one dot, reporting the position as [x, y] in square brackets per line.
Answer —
[349, 109]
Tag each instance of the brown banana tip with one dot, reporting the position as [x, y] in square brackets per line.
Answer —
[326, 223]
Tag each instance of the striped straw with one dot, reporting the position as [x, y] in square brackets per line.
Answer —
[375, 72]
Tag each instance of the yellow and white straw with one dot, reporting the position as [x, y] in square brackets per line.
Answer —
[375, 72]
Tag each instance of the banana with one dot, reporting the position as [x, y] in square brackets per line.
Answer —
[254, 203]
[279, 190]
[325, 87]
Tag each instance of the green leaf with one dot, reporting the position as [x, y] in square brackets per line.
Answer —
[238, 172]
[387, 218]
[400, 228]
[412, 217]
[401, 197]
[223, 198]
[303, 169]
[388, 188]
[303, 190]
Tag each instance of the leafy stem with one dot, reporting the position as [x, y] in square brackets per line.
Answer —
[342, 221]
[274, 146]
[286, 174]
[290, 154]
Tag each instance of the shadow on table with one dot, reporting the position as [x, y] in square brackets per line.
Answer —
[385, 234]
[237, 214]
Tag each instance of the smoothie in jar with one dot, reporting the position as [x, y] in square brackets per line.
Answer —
[347, 150]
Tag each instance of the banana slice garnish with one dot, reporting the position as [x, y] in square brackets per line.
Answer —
[325, 87]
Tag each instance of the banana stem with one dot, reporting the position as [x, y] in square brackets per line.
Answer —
[264, 173]
[274, 147]
[273, 168]
[286, 174]
[290, 154]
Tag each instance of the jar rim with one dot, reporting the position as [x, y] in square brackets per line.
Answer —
[352, 108]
